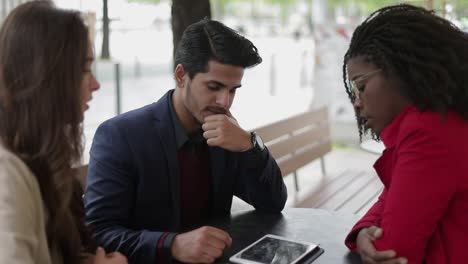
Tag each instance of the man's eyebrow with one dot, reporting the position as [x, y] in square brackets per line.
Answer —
[217, 83]
[222, 85]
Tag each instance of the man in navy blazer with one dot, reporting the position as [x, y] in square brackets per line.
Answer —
[158, 173]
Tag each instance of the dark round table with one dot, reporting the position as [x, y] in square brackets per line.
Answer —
[326, 228]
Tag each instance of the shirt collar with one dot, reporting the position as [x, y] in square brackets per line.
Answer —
[180, 135]
[390, 133]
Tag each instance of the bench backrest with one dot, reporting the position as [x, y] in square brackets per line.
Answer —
[298, 140]
[293, 142]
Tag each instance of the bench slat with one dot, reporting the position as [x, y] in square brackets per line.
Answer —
[284, 147]
[330, 189]
[348, 192]
[285, 126]
[291, 163]
[362, 196]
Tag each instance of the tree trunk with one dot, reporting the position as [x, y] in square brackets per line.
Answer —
[105, 53]
[185, 13]
[310, 13]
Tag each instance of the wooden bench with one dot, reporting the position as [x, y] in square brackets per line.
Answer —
[304, 138]
[296, 142]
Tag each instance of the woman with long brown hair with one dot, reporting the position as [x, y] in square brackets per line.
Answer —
[45, 85]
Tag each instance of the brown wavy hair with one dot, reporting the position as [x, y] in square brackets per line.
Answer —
[43, 53]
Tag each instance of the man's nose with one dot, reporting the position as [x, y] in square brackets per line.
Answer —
[223, 98]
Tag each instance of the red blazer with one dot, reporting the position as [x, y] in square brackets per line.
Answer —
[423, 209]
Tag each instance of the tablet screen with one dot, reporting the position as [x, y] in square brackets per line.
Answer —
[273, 249]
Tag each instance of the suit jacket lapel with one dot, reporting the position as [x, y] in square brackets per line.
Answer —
[166, 134]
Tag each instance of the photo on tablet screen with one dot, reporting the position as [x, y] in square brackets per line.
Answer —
[272, 249]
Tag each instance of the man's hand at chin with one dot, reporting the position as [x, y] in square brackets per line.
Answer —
[223, 131]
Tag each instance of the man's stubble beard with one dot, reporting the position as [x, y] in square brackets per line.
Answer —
[192, 102]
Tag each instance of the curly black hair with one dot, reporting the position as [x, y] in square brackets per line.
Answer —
[426, 52]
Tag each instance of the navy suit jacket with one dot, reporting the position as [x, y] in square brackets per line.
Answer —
[133, 185]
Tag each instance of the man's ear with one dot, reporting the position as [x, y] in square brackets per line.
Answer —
[179, 75]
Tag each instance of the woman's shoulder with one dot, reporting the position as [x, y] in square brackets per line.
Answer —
[433, 122]
[22, 214]
[447, 131]
[15, 175]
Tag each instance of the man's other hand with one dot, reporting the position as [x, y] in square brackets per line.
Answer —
[202, 245]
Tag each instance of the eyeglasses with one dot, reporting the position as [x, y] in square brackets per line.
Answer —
[354, 86]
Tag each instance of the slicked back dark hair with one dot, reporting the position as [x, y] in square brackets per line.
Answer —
[427, 53]
[210, 39]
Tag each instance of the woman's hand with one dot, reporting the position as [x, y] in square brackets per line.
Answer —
[370, 255]
[112, 258]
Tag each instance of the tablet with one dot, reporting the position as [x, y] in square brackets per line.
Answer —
[273, 249]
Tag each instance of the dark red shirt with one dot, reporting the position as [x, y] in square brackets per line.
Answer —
[195, 184]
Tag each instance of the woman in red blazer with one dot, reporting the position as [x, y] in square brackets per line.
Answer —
[406, 73]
